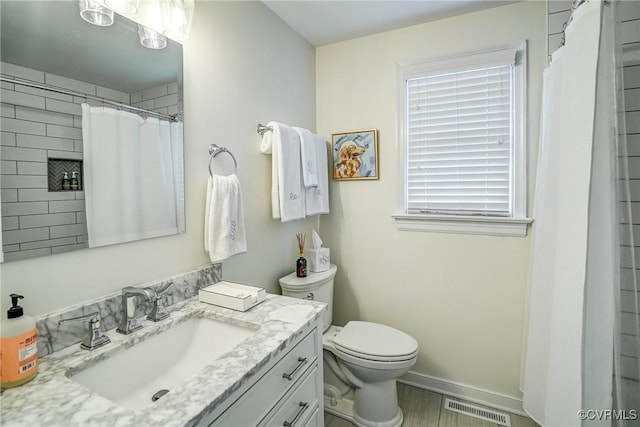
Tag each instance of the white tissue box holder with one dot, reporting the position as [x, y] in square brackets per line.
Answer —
[232, 295]
[318, 259]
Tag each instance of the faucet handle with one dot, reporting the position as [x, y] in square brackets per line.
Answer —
[95, 338]
[158, 311]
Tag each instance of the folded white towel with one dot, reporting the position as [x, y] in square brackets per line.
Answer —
[314, 149]
[287, 191]
[224, 232]
[309, 156]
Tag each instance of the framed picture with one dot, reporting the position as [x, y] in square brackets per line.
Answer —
[355, 154]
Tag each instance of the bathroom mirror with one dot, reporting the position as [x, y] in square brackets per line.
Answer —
[47, 42]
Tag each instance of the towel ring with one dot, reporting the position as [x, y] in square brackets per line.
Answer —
[214, 150]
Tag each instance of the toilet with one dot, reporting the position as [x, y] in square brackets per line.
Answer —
[362, 360]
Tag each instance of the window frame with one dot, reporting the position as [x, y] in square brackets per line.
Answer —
[517, 223]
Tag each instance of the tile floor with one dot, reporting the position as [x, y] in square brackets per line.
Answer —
[424, 408]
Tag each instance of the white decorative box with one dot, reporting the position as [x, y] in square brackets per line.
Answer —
[232, 295]
[318, 259]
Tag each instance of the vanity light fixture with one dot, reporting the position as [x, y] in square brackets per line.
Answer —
[95, 13]
[125, 7]
[177, 16]
[151, 39]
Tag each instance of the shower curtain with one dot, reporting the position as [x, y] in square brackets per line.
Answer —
[132, 176]
[571, 356]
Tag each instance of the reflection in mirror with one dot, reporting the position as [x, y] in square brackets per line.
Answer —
[59, 191]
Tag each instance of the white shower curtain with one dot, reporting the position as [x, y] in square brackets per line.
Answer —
[572, 238]
[132, 176]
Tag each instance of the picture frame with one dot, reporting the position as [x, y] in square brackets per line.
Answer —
[355, 155]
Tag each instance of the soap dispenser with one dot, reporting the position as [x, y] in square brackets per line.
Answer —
[75, 185]
[18, 346]
[66, 182]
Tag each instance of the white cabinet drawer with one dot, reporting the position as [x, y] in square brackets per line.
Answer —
[259, 400]
[315, 420]
[298, 407]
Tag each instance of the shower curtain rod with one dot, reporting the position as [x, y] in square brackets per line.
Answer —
[56, 89]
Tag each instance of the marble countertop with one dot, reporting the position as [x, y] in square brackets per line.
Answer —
[52, 399]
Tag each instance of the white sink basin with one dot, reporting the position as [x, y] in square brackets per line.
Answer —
[131, 378]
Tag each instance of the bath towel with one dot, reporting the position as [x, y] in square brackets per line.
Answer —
[315, 169]
[224, 232]
[287, 191]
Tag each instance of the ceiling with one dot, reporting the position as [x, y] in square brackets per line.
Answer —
[324, 21]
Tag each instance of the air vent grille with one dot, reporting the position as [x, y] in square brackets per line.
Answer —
[477, 412]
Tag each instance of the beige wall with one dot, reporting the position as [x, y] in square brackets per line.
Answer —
[242, 66]
[460, 296]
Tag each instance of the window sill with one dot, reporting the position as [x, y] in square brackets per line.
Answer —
[491, 226]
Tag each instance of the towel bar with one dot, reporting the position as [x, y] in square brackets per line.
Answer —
[262, 129]
[214, 150]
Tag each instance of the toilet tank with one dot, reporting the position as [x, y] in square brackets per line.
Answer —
[316, 287]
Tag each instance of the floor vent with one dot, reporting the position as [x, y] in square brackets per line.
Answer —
[478, 412]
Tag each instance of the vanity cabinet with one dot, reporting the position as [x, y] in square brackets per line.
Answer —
[287, 391]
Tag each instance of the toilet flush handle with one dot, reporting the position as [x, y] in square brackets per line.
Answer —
[311, 296]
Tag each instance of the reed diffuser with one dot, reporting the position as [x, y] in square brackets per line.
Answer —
[301, 263]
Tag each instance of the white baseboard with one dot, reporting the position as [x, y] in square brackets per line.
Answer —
[464, 392]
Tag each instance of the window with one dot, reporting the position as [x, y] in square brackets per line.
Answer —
[463, 140]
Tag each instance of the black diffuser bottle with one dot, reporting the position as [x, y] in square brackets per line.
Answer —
[301, 263]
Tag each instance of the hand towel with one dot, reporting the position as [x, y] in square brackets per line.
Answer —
[308, 156]
[287, 191]
[314, 147]
[224, 232]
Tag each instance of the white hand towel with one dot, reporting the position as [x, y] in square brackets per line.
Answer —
[315, 147]
[309, 157]
[287, 191]
[224, 232]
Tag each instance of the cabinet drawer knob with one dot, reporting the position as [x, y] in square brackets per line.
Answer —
[301, 362]
[303, 407]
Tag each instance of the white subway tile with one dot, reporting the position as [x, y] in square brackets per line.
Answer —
[20, 98]
[48, 243]
[632, 120]
[9, 195]
[24, 181]
[7, 85]
[10, 248]
[43, 93]
[67, 248]
[114, 95]
[71, 84]
[172, 87]
[629, 31]
[44, 142]
[136, 97]
[557, 21]
[46, 220]
[44, 116]
[16, 256]
[32, 168]
[28, 235]
[68, 230]
[7, 138]
[63, 107]
[8, 110]
[66, 206]
[632, 77]
[79, 194]
[559, 5]
[19, 153]
[629, 9]
[24, 208]
[22, 126]
[165, 101]
[147, 105]
[71, 155]
[42, 194]
[8, 167]
[77, 121]
[10, 223]
[81, 217]
[64, 132]
[632, 99]
[78, 146]
[154, 92]
[18, 71]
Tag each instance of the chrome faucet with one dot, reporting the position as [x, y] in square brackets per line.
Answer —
[129, 323]
[158, 311]
[95, 338]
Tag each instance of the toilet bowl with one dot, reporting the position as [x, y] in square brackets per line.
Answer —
[362, 360]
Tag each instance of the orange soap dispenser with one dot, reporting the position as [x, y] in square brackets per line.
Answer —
[18, 347]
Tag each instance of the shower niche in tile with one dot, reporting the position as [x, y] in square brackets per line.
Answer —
[56, 169]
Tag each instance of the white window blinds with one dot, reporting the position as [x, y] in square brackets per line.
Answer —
[459, 140]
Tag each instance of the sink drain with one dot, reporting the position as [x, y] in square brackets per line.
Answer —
[159, 394]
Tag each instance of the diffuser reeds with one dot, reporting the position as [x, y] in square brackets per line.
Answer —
[301, 238]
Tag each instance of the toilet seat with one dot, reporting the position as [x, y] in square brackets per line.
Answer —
[375, 342]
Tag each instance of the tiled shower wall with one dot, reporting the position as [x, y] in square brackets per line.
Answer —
[629, 32]
[38, 125]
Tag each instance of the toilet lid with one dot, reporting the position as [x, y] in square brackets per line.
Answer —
[375, 341]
